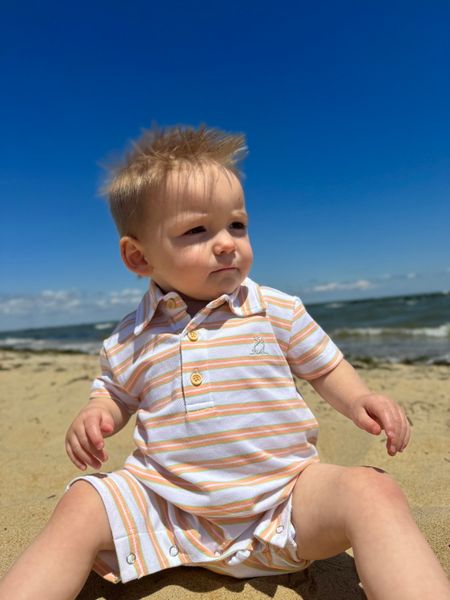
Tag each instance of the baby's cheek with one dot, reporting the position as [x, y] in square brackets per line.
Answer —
[189, 257]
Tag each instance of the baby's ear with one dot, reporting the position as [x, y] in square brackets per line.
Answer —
[133, 256]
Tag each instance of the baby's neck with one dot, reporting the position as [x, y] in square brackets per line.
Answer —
[194, 306]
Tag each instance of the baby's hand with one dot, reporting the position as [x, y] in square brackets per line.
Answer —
[84, 438]
[375, 412]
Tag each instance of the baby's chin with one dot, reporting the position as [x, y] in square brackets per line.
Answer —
[224, 282]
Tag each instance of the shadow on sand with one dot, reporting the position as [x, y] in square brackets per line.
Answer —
[332, 579]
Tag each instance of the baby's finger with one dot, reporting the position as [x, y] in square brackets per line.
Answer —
[93, 432]
[107, 425]
[99, 456]
[403, 429]
[406, 429]
[74, 459]
[408, 435]
[82, 455]
[367, 422]
[396, 430]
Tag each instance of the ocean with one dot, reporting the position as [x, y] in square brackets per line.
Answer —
[402, 329]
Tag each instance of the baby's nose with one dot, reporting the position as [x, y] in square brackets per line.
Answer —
[224, 243]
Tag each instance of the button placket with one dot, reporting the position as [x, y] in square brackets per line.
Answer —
[194, 351]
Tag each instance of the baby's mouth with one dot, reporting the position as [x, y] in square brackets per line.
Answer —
[220, 269]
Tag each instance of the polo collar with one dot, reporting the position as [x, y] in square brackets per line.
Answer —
[246, 300]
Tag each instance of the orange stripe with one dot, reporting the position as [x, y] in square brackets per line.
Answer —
[241, 384]
[128, 523]
[169, 480]
[167, 522]
[227, 437]
[255, 360]
[248, 408]
[105, 571]
[311, 354]
[230, 508]
[238, 460]
[303, 334]
[143, 367]
[231, 322]
[194, 537]
[142, 502]
[324, 369]
[279, 302]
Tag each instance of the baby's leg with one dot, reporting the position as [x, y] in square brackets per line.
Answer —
[58, 562]
[338, 507]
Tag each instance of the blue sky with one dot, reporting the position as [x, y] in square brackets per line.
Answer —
[345, 108]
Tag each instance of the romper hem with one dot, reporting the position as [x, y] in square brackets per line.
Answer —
[141, 549]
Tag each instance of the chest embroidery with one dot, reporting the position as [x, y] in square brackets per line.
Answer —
[258, 346]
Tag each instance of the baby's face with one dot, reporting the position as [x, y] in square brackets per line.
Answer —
[196, 242]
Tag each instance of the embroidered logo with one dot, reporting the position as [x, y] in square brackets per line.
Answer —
[258, 346]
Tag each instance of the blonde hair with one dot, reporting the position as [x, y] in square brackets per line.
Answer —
[158, 152]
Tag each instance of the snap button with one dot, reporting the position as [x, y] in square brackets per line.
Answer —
[280, 529]
[196, 379]
[131, 558]
[173, 551]
[171, 303]
[193, 336]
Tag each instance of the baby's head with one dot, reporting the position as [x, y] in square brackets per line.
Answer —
[179, 207]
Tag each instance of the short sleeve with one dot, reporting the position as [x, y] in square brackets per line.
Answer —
[107, 385]
[311, 352]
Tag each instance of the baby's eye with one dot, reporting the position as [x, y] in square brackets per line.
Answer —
[194, 230]
[238, 225]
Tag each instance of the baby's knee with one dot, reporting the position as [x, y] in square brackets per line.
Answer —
[81, 498]
[81, 511]
[374, 486]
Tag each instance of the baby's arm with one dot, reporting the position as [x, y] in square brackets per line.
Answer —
[347, 393]
[101, 418]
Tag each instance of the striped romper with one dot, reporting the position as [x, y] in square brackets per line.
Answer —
[221, 432]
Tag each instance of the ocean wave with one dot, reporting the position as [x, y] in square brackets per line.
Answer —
[101, 326]
[443, 331]
[334, 305]
[34, 345]
[12, 342]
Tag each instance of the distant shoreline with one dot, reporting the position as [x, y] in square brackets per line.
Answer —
[309, 304]
[359, 363]
[413, 329]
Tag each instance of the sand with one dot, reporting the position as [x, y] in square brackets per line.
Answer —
[40, 393]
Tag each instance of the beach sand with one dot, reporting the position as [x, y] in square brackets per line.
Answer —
[40, 393]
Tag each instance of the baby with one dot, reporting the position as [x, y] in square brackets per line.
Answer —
[225, 474]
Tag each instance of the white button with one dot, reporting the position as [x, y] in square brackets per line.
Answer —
[246, 553]
[131, 558]
[173, 551]
[217, 553]
[280, 529]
